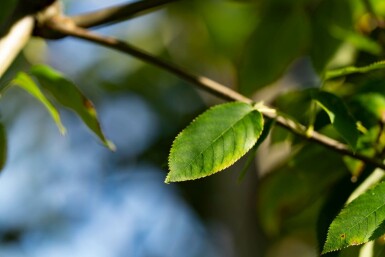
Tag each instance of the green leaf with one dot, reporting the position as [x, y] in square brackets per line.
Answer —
[280, 37]
[67, 94]
[328, 15]
[214, 141]
[288, 189]
[7, 7]
[285, 2]
[339, 116]
[25, 82]
[265, 132]
[361, 42]
[3, 146]
[296, 103]
[229, 25]
[359, 222]
[369, 108]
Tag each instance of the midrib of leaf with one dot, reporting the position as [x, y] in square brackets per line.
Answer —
[366, 218]
[190, 164]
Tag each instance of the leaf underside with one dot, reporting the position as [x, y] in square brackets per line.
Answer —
[67, 94]
[214, 141]
[25, 82]
[359, 222]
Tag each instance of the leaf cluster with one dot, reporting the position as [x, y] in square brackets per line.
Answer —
[259, 45]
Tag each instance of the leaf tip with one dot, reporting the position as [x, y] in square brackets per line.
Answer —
[110, 145]
[167, 180]
[329, 250]
[325, 251]
[329, 247]
[170, 178]
[62, 130]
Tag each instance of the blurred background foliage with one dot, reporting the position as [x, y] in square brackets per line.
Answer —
[72, 197]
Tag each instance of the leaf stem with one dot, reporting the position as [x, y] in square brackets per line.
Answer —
[332, 74]
[68, 29]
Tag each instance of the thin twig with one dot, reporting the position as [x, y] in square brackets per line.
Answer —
[118, 13]
[110, 42]
[210, 86]
[332, 74]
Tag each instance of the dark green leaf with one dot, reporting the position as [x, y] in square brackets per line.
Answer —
[25, 82]
[229, 25]
[339, 116]
[288, 189]
[67, 94]
[359, 222]
[369, 108]
[280, 37]
[361, 42]
[296, 104]
[214, 141]
[6, 9]
[286, 2]
[328, 15]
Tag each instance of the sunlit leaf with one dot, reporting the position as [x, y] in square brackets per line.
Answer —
[67, 94]
[214, 141]
[339, 116]
[335, 200]
[25, 82]
[3, 146]
[265, 133]
[359, 222]
[280, 37]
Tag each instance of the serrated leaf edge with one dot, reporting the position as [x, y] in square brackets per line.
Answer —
[332, 224]
[167, 180]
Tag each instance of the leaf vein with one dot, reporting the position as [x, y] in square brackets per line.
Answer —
[221, 136]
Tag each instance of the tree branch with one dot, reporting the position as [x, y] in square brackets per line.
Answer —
[210, 86]
[116, 13]
[14, 41]
[16, 29]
